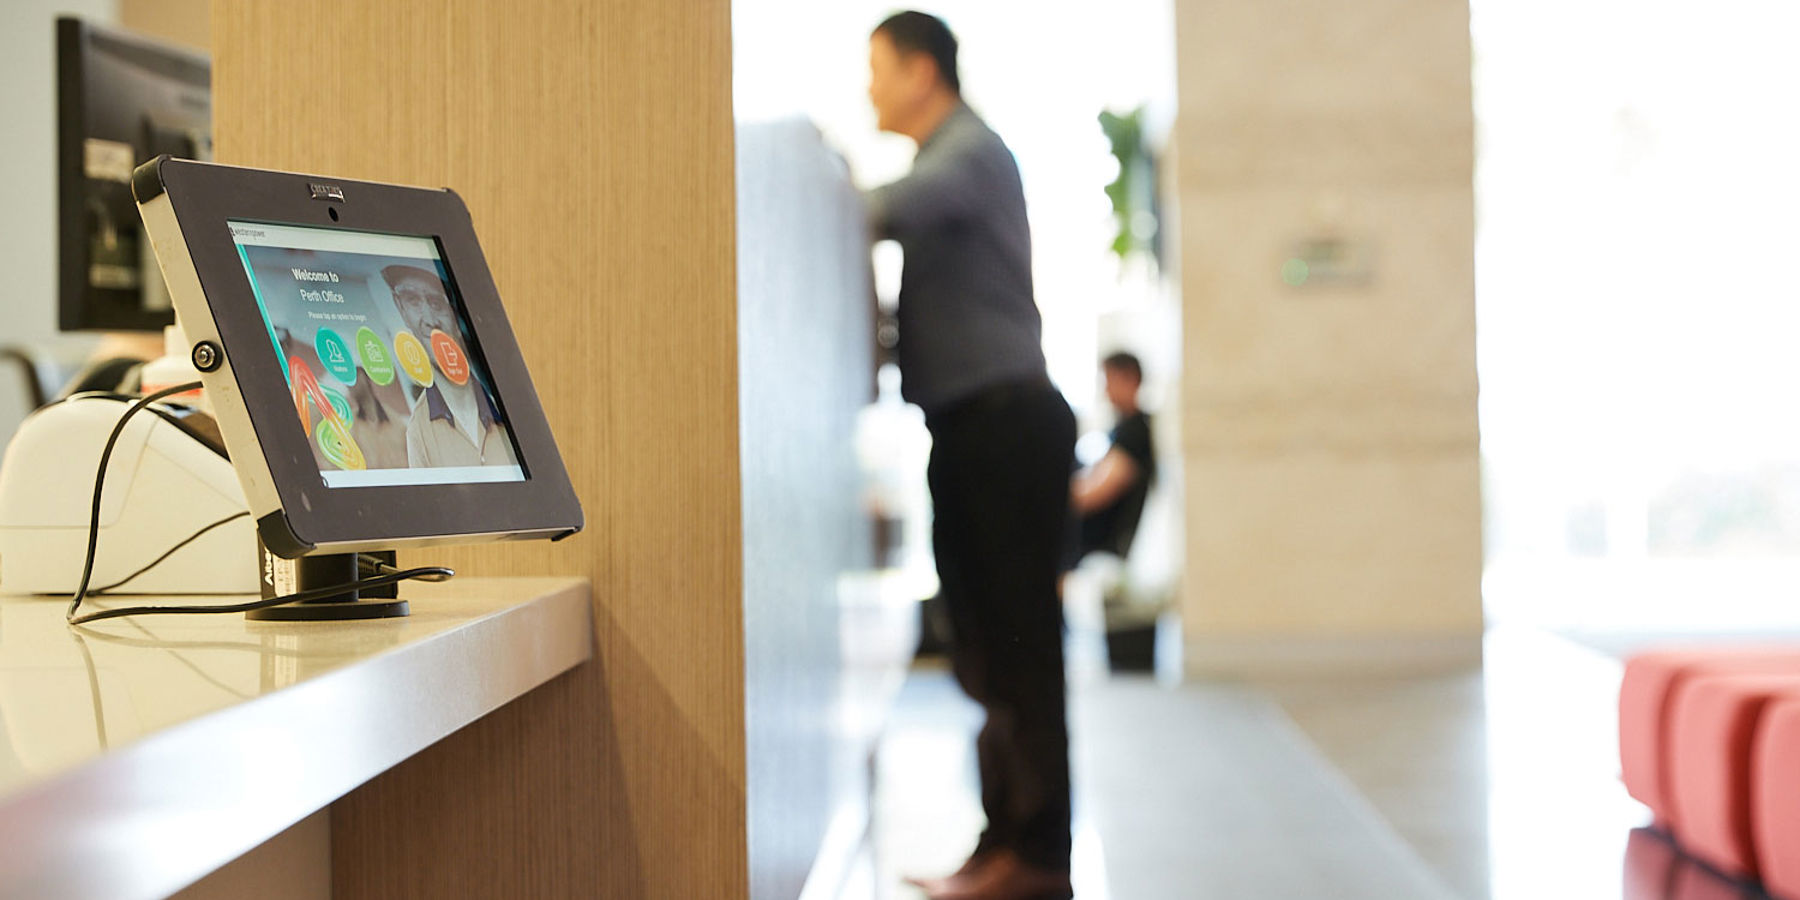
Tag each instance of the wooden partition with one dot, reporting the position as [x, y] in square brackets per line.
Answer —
[593, 144]
[181, 21]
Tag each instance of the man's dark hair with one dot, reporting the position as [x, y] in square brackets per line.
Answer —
[1125, 362]
[917, 32]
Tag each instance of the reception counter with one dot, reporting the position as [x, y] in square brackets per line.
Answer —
[138, 755]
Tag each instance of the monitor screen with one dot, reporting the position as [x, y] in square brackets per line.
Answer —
[122, 99]
[373, 337]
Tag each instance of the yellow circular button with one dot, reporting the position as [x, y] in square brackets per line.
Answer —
[414, 361]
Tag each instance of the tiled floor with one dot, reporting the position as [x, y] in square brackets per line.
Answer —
[1498, 784]
[1416, 748]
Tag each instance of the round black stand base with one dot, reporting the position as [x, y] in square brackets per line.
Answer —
[331, 611]
[327, 572]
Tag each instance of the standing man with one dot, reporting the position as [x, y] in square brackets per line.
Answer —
[1003, 440]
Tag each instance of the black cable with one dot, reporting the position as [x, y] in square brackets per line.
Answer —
[390, 574]
[377, 567]
[168, 553]
[300, 597]
[87, 569]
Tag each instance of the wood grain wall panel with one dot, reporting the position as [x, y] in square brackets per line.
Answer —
[593, 144]
[187, 22]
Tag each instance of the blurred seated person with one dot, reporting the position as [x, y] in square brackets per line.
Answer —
[1107, 498]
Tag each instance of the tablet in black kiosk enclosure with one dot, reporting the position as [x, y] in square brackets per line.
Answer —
[367, 384]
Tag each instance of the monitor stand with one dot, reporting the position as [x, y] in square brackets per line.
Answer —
[285, 576]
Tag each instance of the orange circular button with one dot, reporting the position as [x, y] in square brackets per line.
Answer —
[450, 358]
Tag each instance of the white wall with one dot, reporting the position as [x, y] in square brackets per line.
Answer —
[805, 367]
[1040, 80]
[28, 193]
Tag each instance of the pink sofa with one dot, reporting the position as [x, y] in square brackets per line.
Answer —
[1709, 740]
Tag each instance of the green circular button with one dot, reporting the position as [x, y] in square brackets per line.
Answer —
[334, 353]
[375, 357]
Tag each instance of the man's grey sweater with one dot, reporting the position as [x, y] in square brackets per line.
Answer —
[968, 320]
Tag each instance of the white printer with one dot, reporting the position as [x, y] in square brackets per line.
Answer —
[168, 480]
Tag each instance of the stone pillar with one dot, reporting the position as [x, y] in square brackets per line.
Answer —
[1327, 256]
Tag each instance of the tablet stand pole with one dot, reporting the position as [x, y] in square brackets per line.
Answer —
[286, 576]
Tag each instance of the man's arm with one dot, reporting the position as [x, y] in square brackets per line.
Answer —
[942, 187]
[1105, 482]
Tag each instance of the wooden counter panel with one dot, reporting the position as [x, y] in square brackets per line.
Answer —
[593, 144]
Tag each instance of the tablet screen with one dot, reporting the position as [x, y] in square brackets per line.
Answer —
[384, 371]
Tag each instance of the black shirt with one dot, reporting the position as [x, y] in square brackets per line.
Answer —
[1112, 528]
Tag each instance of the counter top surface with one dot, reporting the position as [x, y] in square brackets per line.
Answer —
[138, 754]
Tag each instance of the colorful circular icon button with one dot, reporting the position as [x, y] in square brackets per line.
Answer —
[376, 360]
[414, 361]
[339, 447]
[340, 405]
[450, 358]
[334, 353]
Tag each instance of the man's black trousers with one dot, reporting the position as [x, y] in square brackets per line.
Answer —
[999, 475]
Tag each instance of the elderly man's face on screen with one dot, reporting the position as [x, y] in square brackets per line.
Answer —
[424, 305]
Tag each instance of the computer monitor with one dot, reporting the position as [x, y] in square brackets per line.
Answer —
[366, 381]
[122, 100]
